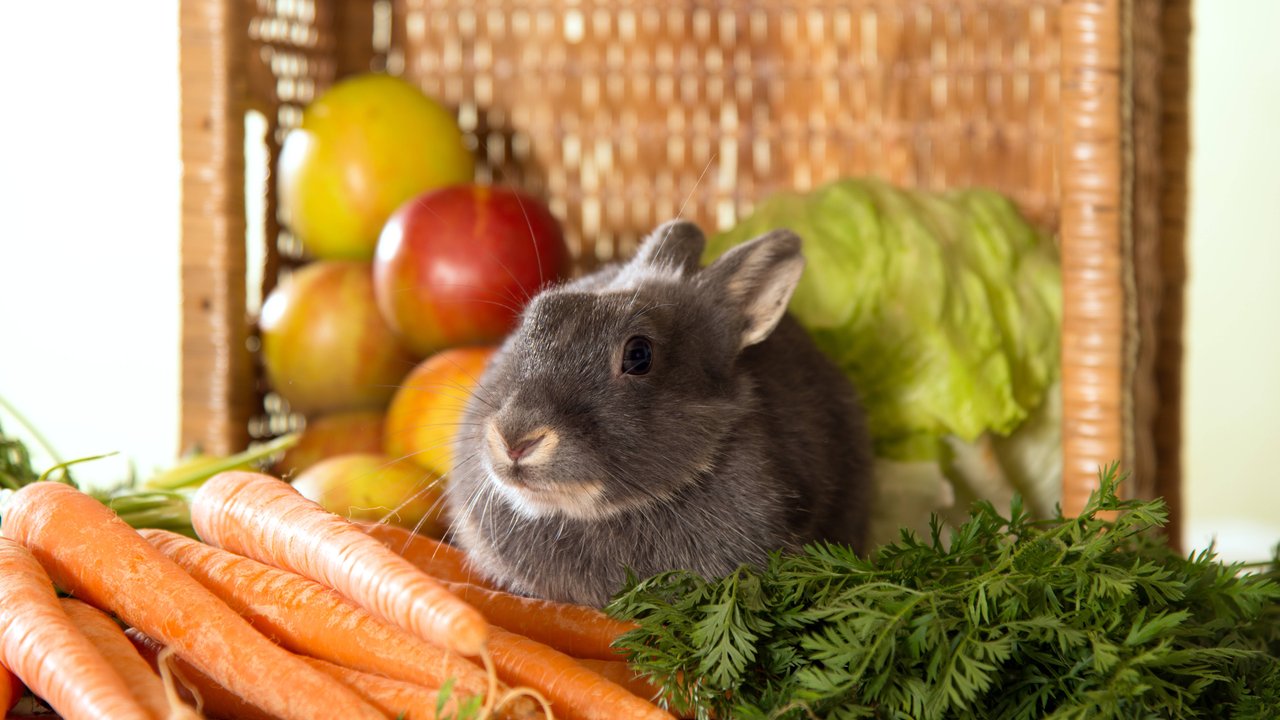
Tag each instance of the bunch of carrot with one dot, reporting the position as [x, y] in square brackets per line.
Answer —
[283, 611]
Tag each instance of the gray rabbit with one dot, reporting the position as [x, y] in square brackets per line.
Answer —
[658, 415]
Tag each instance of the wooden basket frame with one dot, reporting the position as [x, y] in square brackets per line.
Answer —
[1121, 224]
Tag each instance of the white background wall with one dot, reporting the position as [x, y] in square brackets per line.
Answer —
[89, 220]
[1233, 343]
[89, 223]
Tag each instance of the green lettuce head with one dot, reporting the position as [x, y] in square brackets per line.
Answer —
[943, 308]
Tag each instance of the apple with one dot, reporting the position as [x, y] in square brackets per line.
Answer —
[426, 411]
[368, 486]
[455, 266]
[325, 346]
[325, 436]
[363, 148]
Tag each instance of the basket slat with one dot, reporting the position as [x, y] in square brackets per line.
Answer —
[1122, 316]
[1175, 139]
[217, 380]
[1093, 252]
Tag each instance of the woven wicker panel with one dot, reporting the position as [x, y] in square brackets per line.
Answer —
[627, 113]
[296, 49]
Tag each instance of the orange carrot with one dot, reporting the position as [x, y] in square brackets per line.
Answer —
[617, 671]
[437, 559]
[215, 701]
[577, 630]
[264, 518]
[575, 692]
[39, 643]
[311, 619]
[109, 638]
[11, 690]
[94, 555]
[621, 673]
[396, 698]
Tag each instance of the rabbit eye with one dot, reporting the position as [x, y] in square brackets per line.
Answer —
[637, 356]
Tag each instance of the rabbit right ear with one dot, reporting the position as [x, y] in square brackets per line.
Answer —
[676, 244]
[757, 280]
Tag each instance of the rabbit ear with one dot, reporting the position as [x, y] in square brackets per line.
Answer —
[676, 244]
[757, 279]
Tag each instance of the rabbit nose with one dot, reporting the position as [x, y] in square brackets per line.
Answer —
[524, 446]
[530, 448]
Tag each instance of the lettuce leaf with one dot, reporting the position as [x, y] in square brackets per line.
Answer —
[943, 308]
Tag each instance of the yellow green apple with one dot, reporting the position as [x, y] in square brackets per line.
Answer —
[373, 487]
[325, 345]
[363, 148]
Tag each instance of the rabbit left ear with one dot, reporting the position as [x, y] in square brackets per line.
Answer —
[757, 279]
[676, 244]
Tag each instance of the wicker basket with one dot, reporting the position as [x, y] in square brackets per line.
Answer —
[623, 112]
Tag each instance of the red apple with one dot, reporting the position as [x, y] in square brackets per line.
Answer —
[325, 345]
[455, 266]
